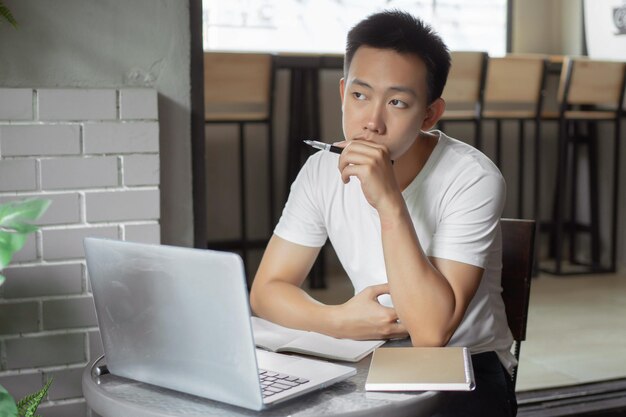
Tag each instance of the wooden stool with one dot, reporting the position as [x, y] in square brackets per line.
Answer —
[590, 92]
[514, 91]
[238, 89]
[463, 92]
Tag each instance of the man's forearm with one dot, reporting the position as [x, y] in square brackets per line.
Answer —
[290, 306]
[422, 297]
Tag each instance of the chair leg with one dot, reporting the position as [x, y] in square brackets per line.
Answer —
[594, 197]
[537, 192]
[559, 205]
[616, 168]
[270, 174]
[520, 171]
[578, 140]
[242, 198]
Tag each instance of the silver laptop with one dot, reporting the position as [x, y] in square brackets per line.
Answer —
[180, 318]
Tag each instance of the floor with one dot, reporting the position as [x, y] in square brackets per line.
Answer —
[576, 328]
[576, 331]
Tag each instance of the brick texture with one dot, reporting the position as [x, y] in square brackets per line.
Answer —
[143, 233]
[63, 209]
[141, 169]
[138, 103]
[74, 409]
[67, 384]
[42, 280]
[77, 104]
[68, 243]
[122, 205]
[18, 175]
[95, 154]
[69, 313]
[26, 140]
[45, 351]
[60, 173]
[121, 138]
[16, 104]
[22, 385]
[19, 318]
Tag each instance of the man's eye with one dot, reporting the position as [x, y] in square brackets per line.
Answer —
[398, 103]
[358, 96]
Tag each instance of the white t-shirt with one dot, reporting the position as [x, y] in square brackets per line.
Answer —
[455, 203]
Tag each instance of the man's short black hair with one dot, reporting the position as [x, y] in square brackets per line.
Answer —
[403, 33]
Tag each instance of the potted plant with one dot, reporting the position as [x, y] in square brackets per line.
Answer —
[16, 219]
[26, 407]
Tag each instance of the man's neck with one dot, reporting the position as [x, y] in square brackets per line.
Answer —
[409, 165]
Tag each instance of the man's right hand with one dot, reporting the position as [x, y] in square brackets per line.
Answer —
[364, 318]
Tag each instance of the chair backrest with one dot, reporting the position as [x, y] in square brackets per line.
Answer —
[515, 79]
[593, 82]
[466, 77]
[518, 243]
[237, 86]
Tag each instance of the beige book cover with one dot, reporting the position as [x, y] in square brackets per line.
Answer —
[420, 369]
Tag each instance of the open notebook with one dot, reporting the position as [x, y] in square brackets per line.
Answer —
[276, 338]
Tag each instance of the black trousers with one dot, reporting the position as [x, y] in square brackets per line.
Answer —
[494, 395]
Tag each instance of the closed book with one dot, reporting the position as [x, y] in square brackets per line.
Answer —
[276, 338]
[421, 369]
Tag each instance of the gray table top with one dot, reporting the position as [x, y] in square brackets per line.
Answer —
[113, 396]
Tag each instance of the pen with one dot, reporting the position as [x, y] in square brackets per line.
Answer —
[324, 146]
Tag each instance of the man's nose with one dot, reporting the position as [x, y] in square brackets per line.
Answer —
[375, 121]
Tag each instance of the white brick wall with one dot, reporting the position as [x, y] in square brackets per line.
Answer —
[95, 154]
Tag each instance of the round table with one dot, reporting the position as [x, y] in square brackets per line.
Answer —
[113, 396]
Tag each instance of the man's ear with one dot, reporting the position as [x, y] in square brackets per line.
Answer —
[341, 90]
[433, 114]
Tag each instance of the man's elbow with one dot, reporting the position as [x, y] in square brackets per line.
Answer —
[255, 299]
[429, 339]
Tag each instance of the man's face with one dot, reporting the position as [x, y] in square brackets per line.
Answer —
[384, 98]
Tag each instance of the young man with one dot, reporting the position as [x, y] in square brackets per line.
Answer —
[412, 214]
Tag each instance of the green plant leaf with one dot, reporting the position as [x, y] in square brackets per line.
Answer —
[9, 244]
[15, 218]
[7, 404]
[2, 279]
[27, 406]
[6, 13]
[25, 211]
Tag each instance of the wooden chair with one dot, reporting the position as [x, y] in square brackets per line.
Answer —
[514, 91]
[238, 89]
[590, 92]
[518, 240]
[463, 92]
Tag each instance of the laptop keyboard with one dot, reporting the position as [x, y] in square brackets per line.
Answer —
[274, 383]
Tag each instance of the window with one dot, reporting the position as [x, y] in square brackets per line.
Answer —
[320, 26]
